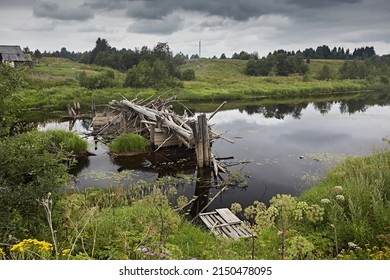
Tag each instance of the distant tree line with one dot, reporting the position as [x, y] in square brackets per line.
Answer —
[324, 52]
[321, 52]
[145, 67]
[279, 63]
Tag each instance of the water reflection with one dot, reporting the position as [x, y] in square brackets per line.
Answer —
[292, 108]
[289, 143]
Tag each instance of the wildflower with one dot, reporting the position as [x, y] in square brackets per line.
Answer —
[2, 252]
[340, 197]
[352, 245]
[236, 207]
[325, 201]
[339, 188]
[65, 252]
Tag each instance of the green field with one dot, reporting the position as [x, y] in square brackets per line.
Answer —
[53, 83]
[225, 79]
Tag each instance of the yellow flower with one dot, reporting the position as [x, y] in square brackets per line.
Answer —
[2, 252]
[65, 252]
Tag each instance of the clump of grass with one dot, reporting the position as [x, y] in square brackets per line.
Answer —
[127, 143]
[67, 141]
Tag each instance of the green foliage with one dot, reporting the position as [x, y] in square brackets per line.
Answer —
[355, 69]
[28, 172]
[150, 75]
[10, 81]
[129, 142]
[102, 80]
[325, 73]
[384, 80]
[358, 211]
[283, 213]
[188, 75]
[280, 62]
[66, 141]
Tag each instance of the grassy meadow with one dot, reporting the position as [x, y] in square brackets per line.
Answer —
[53, 82]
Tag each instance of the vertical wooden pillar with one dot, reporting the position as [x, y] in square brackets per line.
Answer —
[93, 107]
[152, 134]
[202, 141]
[206, 141]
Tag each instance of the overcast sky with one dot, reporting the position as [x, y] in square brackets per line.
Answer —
[223, 26]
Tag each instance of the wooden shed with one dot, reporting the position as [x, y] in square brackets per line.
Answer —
[13, 55]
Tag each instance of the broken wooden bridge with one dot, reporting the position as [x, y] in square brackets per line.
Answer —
[156, 121]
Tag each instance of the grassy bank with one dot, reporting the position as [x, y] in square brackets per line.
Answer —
[344, 217]
[225, 79]
[54, 83]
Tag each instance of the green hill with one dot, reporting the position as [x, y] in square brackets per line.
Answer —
[54, 82]
[225, 79]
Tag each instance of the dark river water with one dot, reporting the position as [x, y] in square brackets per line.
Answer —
[287, 146]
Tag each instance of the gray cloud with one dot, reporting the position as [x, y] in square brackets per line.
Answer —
[320, 4]
[165, 26]
[54, 11]
[224, 26]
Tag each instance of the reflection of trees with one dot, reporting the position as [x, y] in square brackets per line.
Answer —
[323, 107]
[278, 111]
[351, 106]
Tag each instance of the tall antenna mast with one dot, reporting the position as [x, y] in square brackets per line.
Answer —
[200, 48]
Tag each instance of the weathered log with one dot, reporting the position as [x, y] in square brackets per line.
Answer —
[216, 110]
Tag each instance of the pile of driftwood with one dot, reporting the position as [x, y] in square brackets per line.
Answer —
[156, 121]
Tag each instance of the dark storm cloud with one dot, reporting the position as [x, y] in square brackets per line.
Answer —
[163, 26]
[54, 11]
[320, 3]
[239, 10]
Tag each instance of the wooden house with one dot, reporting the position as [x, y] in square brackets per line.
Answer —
[13, 55]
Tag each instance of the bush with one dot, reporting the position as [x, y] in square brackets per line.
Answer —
[384, 80]
[147, 75]
[67, 141]
[103, 80]
[188, 75]
[28, 172]
[128, 142]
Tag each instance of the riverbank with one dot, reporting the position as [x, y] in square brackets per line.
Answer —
[350, 210]
[54, 83]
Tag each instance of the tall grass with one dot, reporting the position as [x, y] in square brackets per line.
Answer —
[66, 140]
[127, 143]
[357, 194]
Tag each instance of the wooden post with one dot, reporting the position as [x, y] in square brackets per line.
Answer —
[152, 134]
[206, 141]
[202, 141]
[93, 107]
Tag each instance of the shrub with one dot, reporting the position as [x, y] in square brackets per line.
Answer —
[150, 75]
[188, 75]
[28, 172]
[384, 80]
[128, 142]
[67, 141]
[103, 80]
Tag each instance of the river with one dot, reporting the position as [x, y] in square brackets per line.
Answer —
[287, 146]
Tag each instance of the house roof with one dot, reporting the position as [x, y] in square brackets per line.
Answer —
[13, 53]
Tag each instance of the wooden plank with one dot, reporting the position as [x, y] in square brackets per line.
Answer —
[208, 213]
[227, 215]
[222, 222]
[228, 224]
